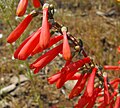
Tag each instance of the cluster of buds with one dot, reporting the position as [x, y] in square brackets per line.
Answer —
[92, 83]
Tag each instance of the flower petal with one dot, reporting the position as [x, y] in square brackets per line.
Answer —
[90, 85]
[16, 33]
[21, 46]
[46, 58]
[106, 91]
[45, 32]
[22, 7]
[66, 48]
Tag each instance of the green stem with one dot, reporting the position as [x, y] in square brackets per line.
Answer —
[37, 95]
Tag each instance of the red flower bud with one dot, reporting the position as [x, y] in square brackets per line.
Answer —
[66, 48]
[22, 7]
[90, 85]
[16, 33]
[45, 32]
[106, 91]
[46, 58]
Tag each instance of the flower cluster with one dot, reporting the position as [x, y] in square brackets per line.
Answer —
[92, 83]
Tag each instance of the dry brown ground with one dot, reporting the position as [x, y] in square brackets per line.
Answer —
[99, 33]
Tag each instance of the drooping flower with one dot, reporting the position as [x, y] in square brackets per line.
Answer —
[29, 46]
[90, 85]
[21, 9]
[36, 3]
[46, 58]
[16, 33]
[106, 91]
[53, 40]
[66, 48]
[45, 32]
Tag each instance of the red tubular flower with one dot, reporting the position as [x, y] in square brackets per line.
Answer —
[22, 7]
[90, 85]
[46, 58]
[16, 33]
[29, 46]
[45, 32]
[112, 67]
[70, 70]
[53, 40]
[106, 91]
[79, 86]
[36, 3]
[117, 103]
[66, 48]
[21, 46]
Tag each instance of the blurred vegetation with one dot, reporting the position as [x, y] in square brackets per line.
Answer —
[100, 34]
